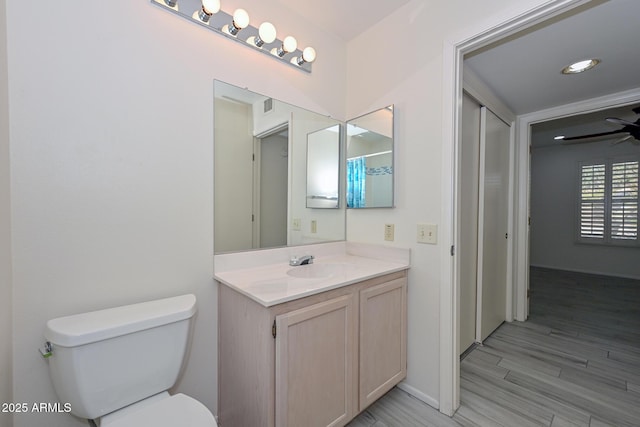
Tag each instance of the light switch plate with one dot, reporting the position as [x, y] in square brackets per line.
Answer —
[427, 233]
[296, 224]
[314, 226]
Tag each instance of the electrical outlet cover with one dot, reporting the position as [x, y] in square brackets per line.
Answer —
[389, 232]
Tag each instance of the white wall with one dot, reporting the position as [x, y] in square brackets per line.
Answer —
[5, 230]
[554, 188]
[400, 61]
[112, 163]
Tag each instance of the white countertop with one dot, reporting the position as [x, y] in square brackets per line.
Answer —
[273, 284]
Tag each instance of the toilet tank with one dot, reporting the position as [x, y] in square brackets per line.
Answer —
[104, 360]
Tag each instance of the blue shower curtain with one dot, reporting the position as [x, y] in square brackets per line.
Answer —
[356, 176]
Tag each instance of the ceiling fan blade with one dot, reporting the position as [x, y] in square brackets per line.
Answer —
[593, 135]
[621, 122]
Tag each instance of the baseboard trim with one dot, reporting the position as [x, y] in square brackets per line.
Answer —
[577, 270]
[419, 395]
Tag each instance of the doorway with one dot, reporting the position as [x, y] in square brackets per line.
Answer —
[271, 172]
[449, 295]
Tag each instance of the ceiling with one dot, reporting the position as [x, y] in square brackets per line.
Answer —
[346, 19]
[525, 70]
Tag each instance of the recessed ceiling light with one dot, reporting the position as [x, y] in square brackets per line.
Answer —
[558, 137]
[580, 66]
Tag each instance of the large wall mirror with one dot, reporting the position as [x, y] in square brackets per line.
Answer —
[370, 146]
[262, 147]
[323, 168]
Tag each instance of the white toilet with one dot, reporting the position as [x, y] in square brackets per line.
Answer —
[115, 366]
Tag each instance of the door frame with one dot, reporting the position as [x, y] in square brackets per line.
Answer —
[506, 24]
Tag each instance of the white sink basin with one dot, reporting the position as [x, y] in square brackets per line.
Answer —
[316, 271]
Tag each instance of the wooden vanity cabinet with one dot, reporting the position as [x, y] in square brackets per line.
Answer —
[316, 361]
[316, 364]
[383, 339]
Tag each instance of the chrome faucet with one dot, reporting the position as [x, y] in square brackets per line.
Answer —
[303, 260]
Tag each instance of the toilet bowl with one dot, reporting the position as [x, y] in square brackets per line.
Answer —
[115, 366]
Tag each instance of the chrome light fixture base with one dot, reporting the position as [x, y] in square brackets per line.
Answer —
[191, 10]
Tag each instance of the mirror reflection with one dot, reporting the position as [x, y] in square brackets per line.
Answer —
[260, 173]
[323, 168]
[370, 160]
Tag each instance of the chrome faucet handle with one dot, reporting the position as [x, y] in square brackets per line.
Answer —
[303, 260]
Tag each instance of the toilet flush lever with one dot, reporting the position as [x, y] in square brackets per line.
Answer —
[46, 350]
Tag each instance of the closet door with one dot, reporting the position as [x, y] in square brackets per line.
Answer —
[493, 218]
[468, 226]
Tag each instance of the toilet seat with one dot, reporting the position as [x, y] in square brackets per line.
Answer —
[171, 411]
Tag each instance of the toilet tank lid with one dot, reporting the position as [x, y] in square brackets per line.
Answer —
[85, 328]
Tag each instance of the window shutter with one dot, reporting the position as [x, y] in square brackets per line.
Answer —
[624, 201]
[592, 201]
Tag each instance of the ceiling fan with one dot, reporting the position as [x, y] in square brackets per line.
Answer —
[631, 129]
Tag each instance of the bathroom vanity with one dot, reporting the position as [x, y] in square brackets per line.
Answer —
[311, 345]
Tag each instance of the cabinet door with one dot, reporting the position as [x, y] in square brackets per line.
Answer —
[316, 364]
[383, 339]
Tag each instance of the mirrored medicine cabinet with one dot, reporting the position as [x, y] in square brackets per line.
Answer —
[282, 173]
[369, 166]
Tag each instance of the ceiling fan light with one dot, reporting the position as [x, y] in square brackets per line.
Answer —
[580, 66]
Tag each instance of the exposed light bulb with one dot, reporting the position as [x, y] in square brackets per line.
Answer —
[266, 34]
[209, 7]
[289, 44]
[240, 19]
[308, 55]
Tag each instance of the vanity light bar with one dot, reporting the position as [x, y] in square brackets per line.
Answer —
[236, 27]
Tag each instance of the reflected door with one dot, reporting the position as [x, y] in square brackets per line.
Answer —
[273, 192]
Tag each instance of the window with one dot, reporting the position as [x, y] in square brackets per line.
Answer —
[608, 205]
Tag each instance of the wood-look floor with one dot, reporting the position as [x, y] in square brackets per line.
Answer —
[575, 362]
